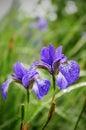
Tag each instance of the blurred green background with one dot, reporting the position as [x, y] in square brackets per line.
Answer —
[19, 41]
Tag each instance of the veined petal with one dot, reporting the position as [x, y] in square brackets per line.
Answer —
[70, 71]
[19, 70]
[47, 54]
[4, 87]
[43, 88]
[61, 81]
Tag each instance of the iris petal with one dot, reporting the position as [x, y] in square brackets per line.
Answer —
[59, 58]
[61, 81]
[29, 76]
[58, 53]
[63, 59]
[19, 70]
[47, 54]
[36, 91]
[51, 53]
[4, 87]
[42, 88]
[70, 71]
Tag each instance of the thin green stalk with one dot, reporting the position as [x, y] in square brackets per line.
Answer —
[53, 78]
[52, 108]
[22, 116]
[27, 104]
[54, 87]
[83, 109]
[28, 96]
[50, 114]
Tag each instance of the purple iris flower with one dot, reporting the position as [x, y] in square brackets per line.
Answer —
[26, 77]
[66, 72]
[50, 59]
[41, 86]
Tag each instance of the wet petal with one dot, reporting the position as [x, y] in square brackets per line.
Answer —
[4, 88]
[70, 71]
[61, 81]
[19, 70]
[42, 88]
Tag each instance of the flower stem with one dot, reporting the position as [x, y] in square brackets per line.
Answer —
[52, 108]
[83, 109]
[27, 104]
[22, 116]
[51, 111]
[53, 78]
[28, 96]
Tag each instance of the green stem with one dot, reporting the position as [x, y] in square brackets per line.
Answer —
[53, 78]
[54, 93]
[52, 108]
[83, 109]
[50, 114]
[28, 96]
[22, 116]
[45, 124]
[27, 105]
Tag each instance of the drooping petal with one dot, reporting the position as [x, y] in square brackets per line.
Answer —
[43, 65]
[70, 71]
[47, 54]
[4, 87]
[36, 91]
[43, 88]
[61, 81]
[19, 70]
[29, 76]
